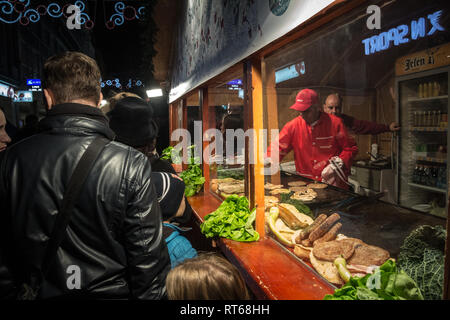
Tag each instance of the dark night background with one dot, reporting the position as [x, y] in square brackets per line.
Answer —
[126, 51]
[120, 50]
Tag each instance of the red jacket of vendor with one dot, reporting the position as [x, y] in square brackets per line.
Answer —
[315, 144]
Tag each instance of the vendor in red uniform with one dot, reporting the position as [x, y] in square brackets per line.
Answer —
[333, 105]
[316, 137]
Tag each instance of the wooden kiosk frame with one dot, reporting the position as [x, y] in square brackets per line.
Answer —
[263, 262]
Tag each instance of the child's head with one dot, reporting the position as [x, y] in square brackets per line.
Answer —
[206, 277]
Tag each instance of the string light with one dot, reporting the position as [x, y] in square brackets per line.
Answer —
[116, 83]
[12, 11]
[122, 13]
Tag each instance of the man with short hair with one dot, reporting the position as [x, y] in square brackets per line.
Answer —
[317, 138]
[113, 247]
[333, 105]
[4, 138]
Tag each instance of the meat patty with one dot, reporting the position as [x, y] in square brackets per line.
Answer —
[352, 241]
[367, 255]
[331, 250]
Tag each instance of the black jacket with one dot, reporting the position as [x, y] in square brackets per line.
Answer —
[114, 237]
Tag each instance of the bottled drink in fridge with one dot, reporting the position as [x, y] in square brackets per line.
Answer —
[420, 175]
[415, 173]
[430, 89]
[436, 88]
[426, 175]
[434, 176]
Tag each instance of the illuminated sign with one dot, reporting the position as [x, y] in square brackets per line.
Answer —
[423, 27]
[23, 96]
[234, 84]
[241, 93]
[290, 72]
[33, 82]
[6, 90]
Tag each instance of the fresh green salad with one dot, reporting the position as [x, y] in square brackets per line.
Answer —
[388, 282]
[171, 154]
[232, 220]
[192, 176]
[193, 179]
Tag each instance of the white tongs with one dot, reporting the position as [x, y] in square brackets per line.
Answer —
[335, 166]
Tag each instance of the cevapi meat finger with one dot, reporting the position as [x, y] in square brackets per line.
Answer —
[305, 232]
[324, 227]
[331, 234]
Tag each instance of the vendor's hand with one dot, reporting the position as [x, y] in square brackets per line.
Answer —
[328, 173]
[394, 126]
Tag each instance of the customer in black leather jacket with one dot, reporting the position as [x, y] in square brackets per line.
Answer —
[113, 242]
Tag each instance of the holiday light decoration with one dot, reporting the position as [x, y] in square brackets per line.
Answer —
[116, 83]
[122, 13]
[12, 11]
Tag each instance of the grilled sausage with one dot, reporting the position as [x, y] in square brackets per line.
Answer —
[324, 227]
[305, 232]
[331, 234]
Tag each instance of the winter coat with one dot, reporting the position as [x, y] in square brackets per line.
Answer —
[113, 242]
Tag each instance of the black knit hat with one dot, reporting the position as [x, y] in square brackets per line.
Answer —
[132, 122]
[169, 191]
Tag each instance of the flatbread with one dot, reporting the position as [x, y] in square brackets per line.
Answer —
[331, 250]
[270, 201]
[326, 269]
[302, 252]
[317, 185]
[296, 183]
[270, 186]
[232, 188]
[299, 189]
[278, 191]
[302, 197]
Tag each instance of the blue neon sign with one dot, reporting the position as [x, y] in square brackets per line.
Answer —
[33, 82]
[235, 82]
[403, 34]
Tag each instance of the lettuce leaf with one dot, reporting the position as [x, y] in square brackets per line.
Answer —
[422, 258]
[232, 220]
[386, 283]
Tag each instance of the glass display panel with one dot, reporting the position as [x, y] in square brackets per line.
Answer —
[226, 133]
[384, 91]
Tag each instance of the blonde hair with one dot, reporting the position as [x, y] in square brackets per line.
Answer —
[206, 277]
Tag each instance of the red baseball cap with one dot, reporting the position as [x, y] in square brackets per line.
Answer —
[305, 99]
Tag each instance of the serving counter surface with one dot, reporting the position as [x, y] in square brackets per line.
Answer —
[270, 271]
